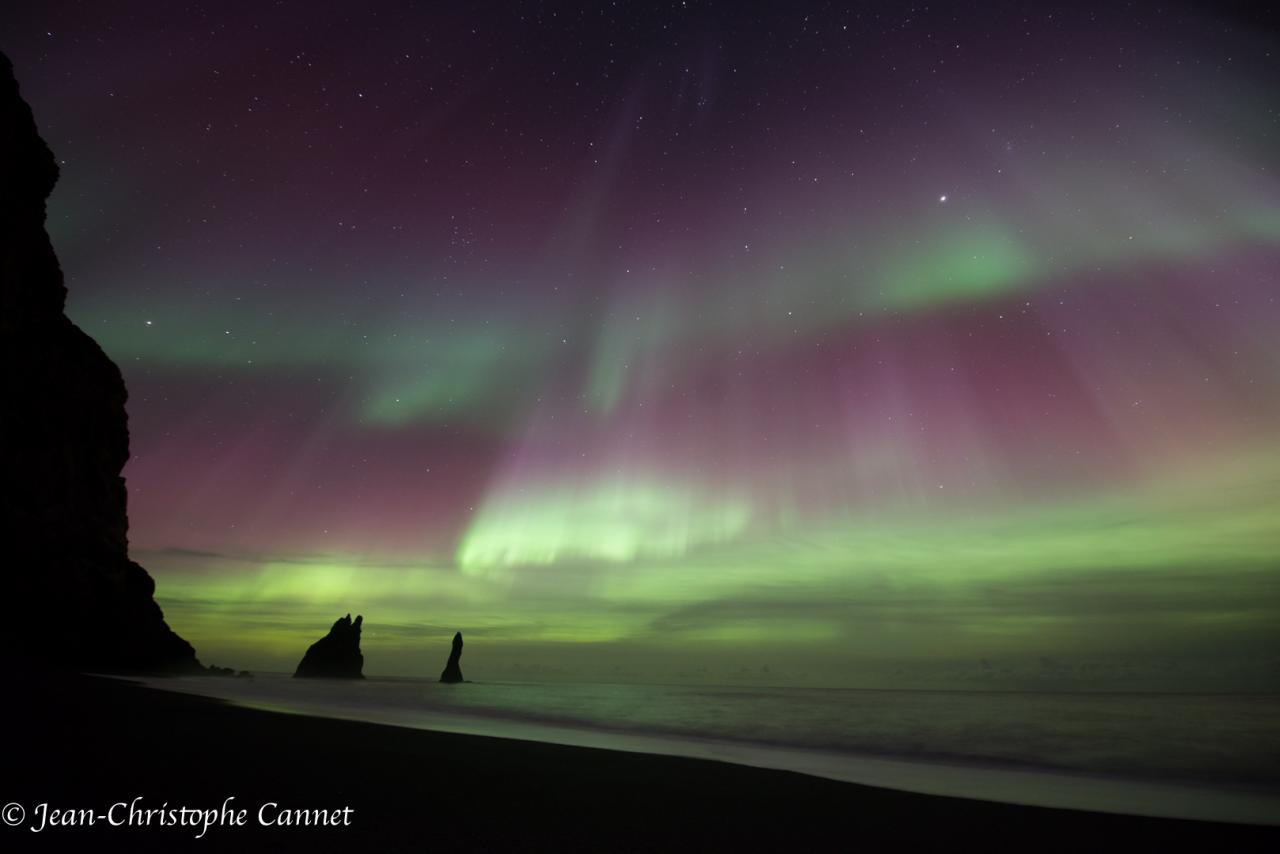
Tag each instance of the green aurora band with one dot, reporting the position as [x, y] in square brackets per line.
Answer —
[969, 381]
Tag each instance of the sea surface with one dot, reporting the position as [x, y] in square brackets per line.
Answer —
[1207, 756]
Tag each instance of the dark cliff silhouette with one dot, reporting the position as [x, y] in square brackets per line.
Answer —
[336, 655]
[74, 599]
[452, 670]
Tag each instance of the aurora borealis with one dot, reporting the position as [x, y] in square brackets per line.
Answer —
[862, 344]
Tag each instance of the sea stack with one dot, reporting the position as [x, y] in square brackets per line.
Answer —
[74, 598]
[452, 671]
[336, 655]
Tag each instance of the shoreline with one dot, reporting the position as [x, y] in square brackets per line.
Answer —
[1020, 785]
[90, 742]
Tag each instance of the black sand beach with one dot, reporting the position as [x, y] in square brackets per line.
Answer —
[83, 742]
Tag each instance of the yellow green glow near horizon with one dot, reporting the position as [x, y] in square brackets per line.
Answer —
[1198, 548]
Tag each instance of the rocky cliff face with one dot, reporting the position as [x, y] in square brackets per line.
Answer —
[74, 599]
[336, 655]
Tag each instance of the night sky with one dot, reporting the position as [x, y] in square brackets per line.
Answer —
[830, 343]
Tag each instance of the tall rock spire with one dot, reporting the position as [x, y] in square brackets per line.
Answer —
[453, 670]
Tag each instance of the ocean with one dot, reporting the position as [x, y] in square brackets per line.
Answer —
[1206, 756]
